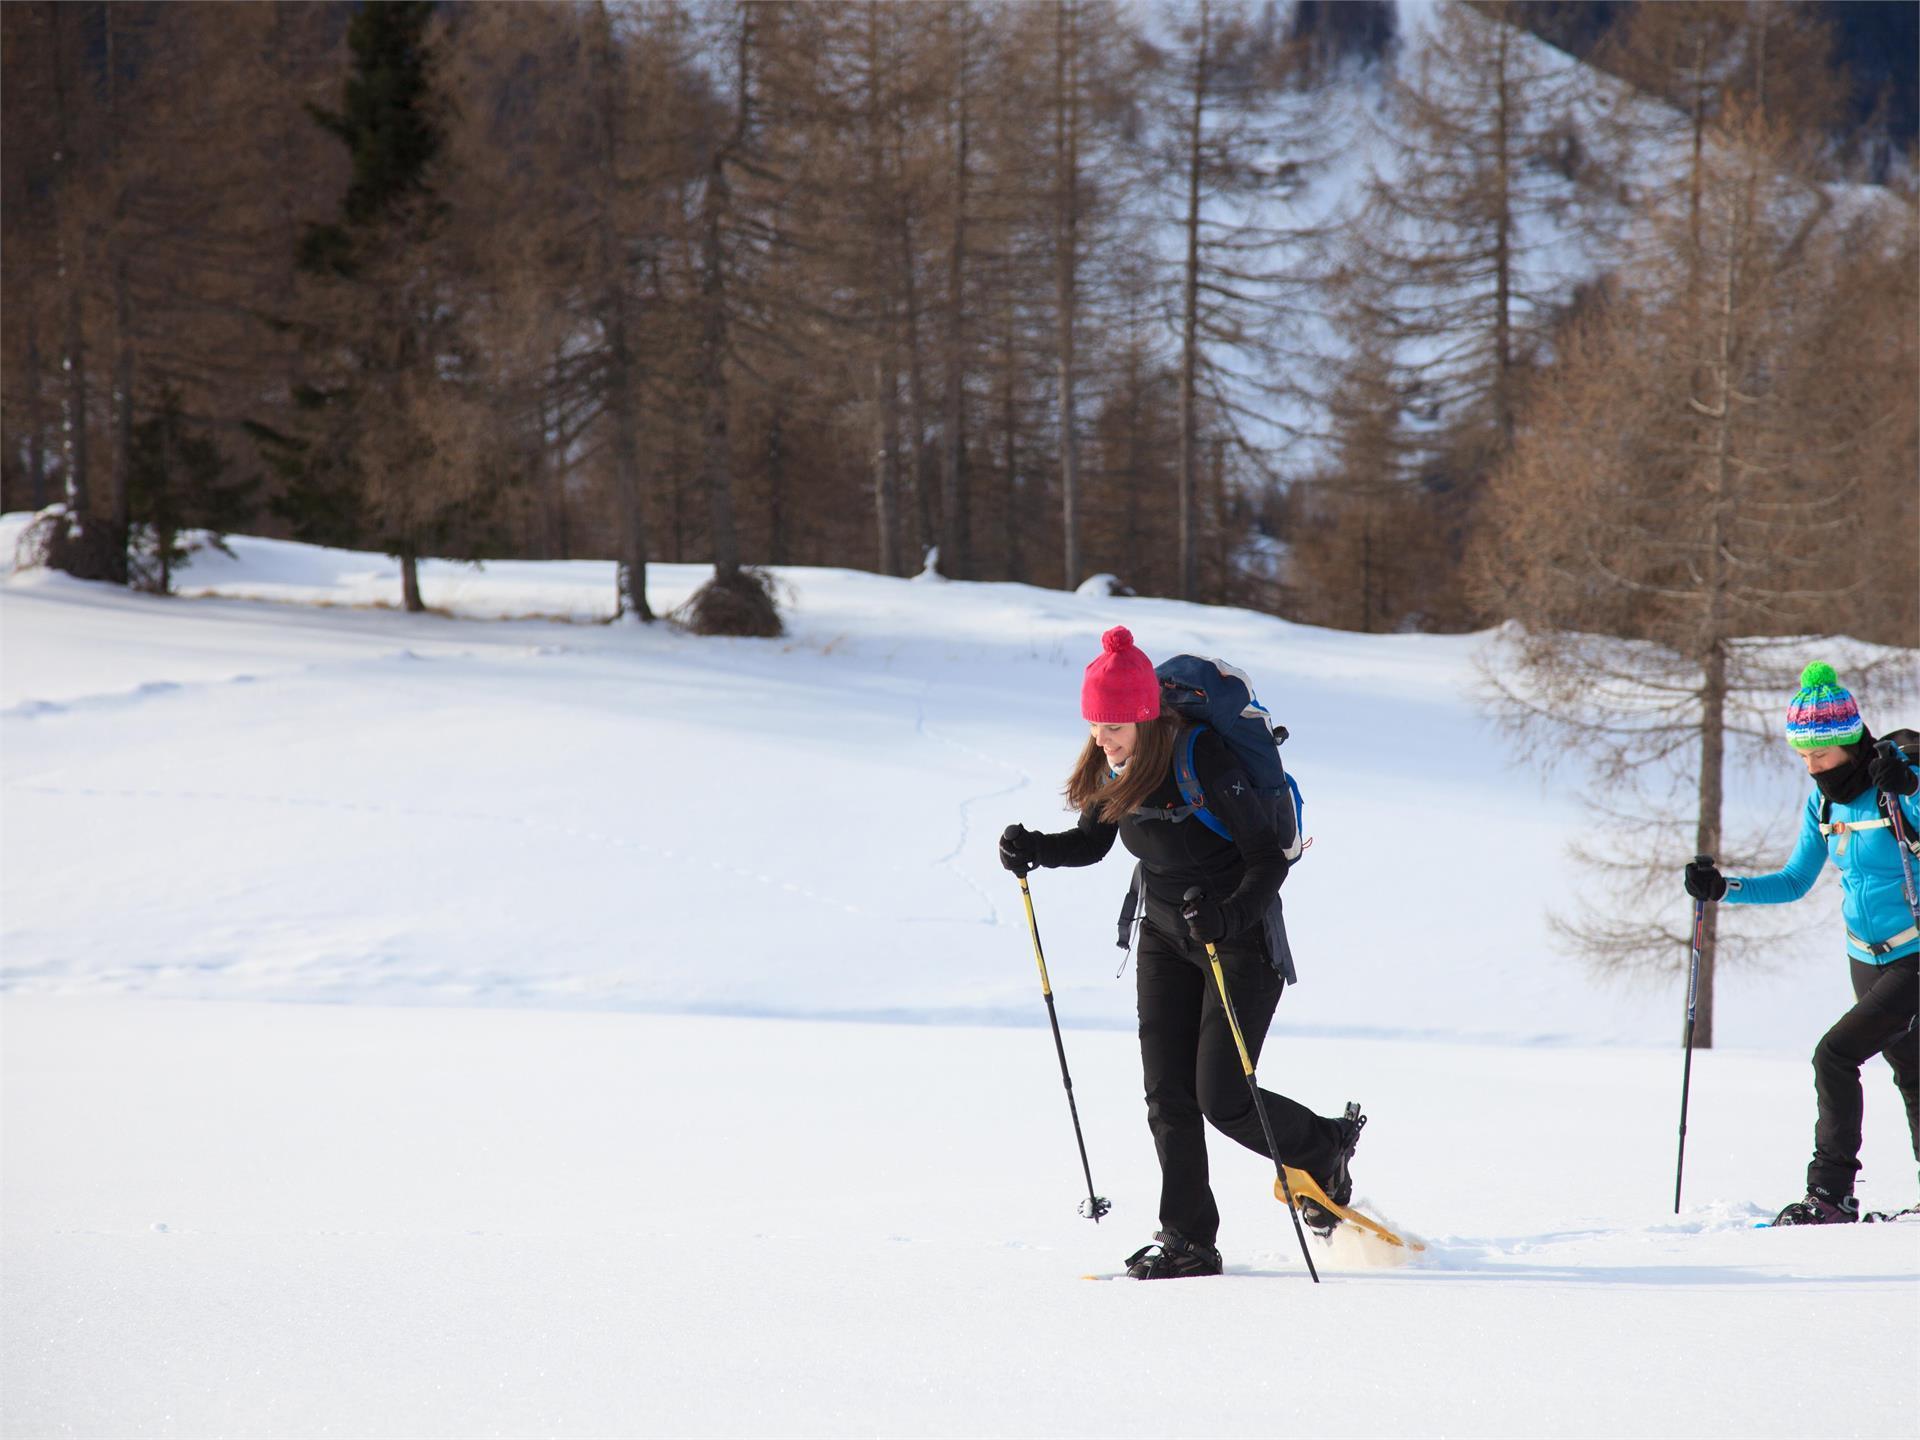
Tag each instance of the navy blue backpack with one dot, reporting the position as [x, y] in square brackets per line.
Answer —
[1215, 694]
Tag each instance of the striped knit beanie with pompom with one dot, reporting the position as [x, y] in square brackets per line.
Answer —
[1822, 712]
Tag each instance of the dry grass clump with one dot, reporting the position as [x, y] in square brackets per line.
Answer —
[55, 541]
[738, 604]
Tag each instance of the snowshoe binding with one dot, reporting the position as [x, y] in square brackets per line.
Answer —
[1173, 1257]
[1339, 1179]
[1821, 1207]
[1907, 1216]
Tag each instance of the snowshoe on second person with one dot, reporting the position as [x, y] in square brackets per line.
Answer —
[1907, 1216]
[1821, 1207]
[1173, 1257]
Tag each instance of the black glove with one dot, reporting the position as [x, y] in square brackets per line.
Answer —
[1206, 922]
[1890, 772]
[1704, 882]
[1019, 849]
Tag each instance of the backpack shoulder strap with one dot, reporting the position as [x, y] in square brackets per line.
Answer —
[1188, 779]
[1895, 820]
[1182, 772]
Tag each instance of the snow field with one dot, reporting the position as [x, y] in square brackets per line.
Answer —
[840, 789]
[443, 1221]
[411, 1025]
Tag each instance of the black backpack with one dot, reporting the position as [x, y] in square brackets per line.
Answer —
[1219, 696]
[1907, 742]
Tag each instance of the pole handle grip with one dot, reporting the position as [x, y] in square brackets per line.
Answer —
[1702, 860]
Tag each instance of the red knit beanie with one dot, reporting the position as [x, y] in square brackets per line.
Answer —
[1120, 687]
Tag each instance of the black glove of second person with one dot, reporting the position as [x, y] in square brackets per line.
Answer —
[1019, 849]
[1704, 882]
[1206, 922]
[1889, 771]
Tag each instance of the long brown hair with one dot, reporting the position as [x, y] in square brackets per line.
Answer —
[1152, 761]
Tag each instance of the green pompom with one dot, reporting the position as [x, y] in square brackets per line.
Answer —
[1818, 675]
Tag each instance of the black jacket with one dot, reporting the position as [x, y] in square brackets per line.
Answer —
[1242, 874]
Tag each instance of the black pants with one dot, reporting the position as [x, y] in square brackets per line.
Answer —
[1881, 1022]
[1193, 1073]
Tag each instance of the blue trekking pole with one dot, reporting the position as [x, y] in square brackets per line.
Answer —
[1693, 996]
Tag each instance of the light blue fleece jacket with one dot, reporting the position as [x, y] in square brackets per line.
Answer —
[1873, 898]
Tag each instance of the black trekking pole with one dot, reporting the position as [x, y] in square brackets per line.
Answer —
[1253, 1084]
[1094, 1206]
[1903, 842]
[1693, 995]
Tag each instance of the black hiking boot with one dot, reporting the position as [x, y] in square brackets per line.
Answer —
[1821, 1207]
[1338, 1181]
[1173, 1257]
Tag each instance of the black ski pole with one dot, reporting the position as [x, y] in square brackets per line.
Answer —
[1094, 1206]
[1903, 842]
[1253, 1084]
[1693, 995]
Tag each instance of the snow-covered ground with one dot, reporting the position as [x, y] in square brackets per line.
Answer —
[454, 1025]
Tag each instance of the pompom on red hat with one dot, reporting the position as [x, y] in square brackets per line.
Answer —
[1120, 687]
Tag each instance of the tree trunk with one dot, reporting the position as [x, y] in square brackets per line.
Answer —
[163, 522]
[553, 476]
[122, 418]
[627, 483]
[922, 454]
[886, 359]
[1718, 412]
[122, 498]
[1012, 519]
[1066, 80]
[79, 500]
[1503, 400]
[1217, 591]
[776, 458]
[955, 539]
[886, 461]
[1136, 478]
[410, 581]
[1366, 567]
[36, 416]
[1713, 744]
[622, 371]
[677, 494]
[1190, 322]
[715, 457]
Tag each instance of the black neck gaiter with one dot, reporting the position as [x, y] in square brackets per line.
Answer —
[1848, 781]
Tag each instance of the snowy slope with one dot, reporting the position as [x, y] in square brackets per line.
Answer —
[582, 1142]
[600, 798]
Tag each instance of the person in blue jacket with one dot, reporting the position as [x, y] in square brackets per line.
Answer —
[1859, 792]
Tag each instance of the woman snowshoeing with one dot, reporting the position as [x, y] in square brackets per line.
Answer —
[1859, 795]
[1124, 785]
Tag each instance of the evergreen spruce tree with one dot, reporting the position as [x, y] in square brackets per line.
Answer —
[390, 443]
[180, 497]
